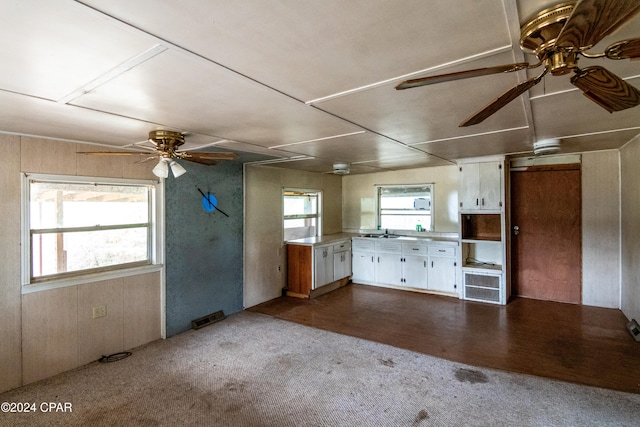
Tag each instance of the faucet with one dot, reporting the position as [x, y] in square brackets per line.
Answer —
[386, 231]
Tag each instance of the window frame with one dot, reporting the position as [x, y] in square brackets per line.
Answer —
[431, 186]
[155, 241]
[317, 216]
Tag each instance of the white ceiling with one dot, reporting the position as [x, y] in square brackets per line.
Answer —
[301, 84]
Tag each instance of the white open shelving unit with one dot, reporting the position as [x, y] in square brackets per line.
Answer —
[483, 254]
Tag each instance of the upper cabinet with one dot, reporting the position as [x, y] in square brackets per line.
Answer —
[481, 186]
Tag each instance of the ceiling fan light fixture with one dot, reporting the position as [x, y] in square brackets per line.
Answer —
[546, 146]
[161, 170]
[177, 169]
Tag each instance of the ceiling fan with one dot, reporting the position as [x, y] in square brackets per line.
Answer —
[166, 148]
[558, 36]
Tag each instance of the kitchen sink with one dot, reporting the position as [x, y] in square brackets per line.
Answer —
[381, 236]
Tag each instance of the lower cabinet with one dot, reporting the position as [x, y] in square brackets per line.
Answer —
[322, 266]
[311, 266]
[443, 268]
[397, 263]
[341, 264]
[388, 269]
[414, 271]
[363, 264]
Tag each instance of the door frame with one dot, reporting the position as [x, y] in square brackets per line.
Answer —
[559, 163]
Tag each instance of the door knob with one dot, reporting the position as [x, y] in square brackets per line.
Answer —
[516, 230]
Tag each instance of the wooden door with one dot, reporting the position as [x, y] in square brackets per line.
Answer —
[546, 246]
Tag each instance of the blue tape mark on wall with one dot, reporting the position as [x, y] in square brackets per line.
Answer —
[203, 249]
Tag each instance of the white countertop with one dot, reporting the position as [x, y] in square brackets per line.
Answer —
[329, 238]
[318, 240]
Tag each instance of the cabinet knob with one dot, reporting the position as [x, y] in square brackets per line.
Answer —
[516, 230]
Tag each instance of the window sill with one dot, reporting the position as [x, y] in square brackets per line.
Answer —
[90, 278]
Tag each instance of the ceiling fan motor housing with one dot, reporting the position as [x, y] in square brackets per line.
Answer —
[166, 140]
[539, 34]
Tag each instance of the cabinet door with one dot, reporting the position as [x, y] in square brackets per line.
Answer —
[363, 267]
[341, 265]
[490, 175]
[469, 186]
[322, 266]
[442, 274]
[388, 269]
[415, 271]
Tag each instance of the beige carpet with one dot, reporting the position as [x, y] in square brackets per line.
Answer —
[254, 370]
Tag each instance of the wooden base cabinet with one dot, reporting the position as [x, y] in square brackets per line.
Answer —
[313, 266]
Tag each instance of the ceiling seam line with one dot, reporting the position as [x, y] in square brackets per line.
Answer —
[379, 134]
[183, 49]
[446, 65]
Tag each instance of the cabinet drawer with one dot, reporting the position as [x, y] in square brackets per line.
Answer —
[342, 246]
[436, 250]
[414, 248]
[387, 246]
[363, 245]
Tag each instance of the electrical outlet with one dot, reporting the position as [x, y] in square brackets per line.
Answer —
[99, 311]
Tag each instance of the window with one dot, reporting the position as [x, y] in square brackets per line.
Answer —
[301, 216]
[76, 226]
[407, 207]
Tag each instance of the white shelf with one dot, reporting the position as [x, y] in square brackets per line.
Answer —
[481, 266]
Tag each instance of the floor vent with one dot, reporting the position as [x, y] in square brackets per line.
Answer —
[203, 321]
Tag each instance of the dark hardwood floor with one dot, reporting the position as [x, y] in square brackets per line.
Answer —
[580, 344]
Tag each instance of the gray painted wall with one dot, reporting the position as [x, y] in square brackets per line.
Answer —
[203, 249]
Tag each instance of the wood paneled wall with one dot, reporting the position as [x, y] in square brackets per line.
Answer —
[47, 332]
[264, 251]
[601, 229]
[630, 228]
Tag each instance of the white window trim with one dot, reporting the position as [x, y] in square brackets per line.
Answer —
[156, 243]
[320, 208]
[377, 201]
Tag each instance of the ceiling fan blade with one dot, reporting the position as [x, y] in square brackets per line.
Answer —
[501, 101]
[606, 89]
[207, 158]
[625, 49]
[423, 81]
[593, 20]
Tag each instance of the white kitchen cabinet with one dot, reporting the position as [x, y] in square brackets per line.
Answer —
[442, 274]
[341, 260]
[414, 271]
[443, 269]
[388, 269]
[322, 266]
[414, 264]
[363, 260]
[405, 263]
[481, 186]
[363, 264]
